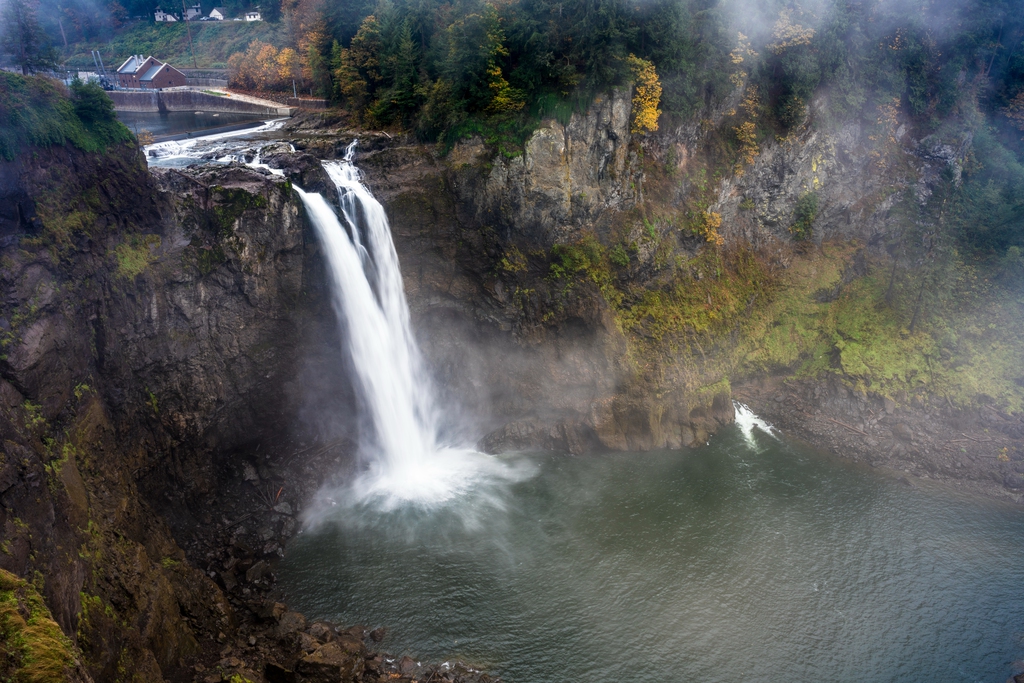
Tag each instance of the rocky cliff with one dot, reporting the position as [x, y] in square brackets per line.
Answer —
[151, 323]
[598, 291]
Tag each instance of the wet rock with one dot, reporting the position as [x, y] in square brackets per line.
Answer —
[407, 665]
[229, 581]
[330, 663]
[308, 643]
[321, 631]
[903, 432]
[257, 571]
[283, 508]
[271, 610]
[377, 634]
[275, 673]
[290, 622]
[306, 171]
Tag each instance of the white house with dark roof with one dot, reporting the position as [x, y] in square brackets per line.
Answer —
[219, 14]
[253, 16]
[163, 16]
[193, 12]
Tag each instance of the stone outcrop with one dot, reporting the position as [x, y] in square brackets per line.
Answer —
[151, 323]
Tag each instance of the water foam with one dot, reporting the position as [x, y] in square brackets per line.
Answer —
[163, 152]
[746, 420]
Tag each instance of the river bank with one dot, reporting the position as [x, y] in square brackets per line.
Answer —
[979, 451]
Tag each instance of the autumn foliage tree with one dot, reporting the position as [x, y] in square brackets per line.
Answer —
[646, 95]
[263, 67]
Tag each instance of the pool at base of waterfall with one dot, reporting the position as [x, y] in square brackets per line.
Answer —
[754, 558]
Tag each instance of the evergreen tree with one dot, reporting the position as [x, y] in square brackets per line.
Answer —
[24, 39]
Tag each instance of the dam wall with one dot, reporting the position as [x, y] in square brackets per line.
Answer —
[192, 100]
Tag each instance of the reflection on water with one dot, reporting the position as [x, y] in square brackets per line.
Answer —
[745, 560]
[173, 122]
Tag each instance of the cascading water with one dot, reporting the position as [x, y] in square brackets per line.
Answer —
[404, 458]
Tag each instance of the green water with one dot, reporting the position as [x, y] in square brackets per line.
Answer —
[745, 560]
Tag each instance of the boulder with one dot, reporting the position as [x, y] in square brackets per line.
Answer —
[330, 663]
[290, 622]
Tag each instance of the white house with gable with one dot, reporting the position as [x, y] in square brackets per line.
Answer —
[161, 15]
[193, 12]
[219, 14]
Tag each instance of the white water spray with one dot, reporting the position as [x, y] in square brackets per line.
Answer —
[746, 420]
[405, 460]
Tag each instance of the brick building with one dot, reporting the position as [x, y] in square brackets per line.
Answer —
[149, 73]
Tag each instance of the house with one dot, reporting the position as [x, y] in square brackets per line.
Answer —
[161, 15]
[162, 76]
[193, 12]
[129, 73]
[148, 72]
[219, 14]
[253, 16]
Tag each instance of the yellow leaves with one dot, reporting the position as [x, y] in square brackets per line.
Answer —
[737, 57]
[746, 133]
[262, 66]
[506, 99]
[787, 34]
[706, 225]
[287, 64]
[647, 95]
[751, 102]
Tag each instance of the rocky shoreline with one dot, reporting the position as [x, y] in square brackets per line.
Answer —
[246, 526]
[978, 451]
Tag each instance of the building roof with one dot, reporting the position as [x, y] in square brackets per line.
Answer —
[220, 10]
[152, 72]
[132, 64]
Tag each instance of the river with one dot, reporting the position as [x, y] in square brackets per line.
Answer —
[162, 124]
[754, 558]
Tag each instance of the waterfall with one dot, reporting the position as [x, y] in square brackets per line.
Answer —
[404, 460]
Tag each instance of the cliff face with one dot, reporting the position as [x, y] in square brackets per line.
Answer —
[151, 323]
[156, 325]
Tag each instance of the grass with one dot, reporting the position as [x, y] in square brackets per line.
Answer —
[33, 647]
[214, 42]
[38, 111]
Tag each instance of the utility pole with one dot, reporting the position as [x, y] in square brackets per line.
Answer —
[188, 27]
[61, 24]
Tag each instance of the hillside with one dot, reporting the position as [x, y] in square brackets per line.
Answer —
[214, 42]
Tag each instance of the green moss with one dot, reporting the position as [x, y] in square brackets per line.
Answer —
[207, 260]
[33, 648]
[134, 255]
[708, 294]
[151, 400]
[231, 203]
[513, 261]
[583, 261]
[964, 356]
